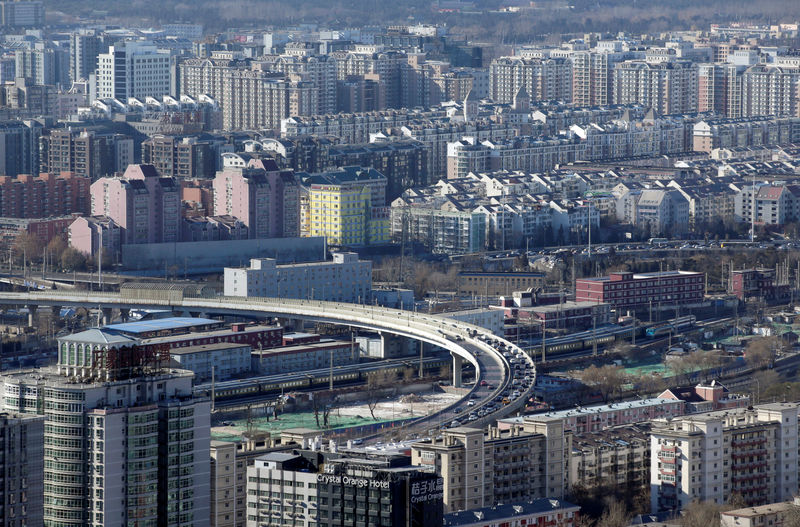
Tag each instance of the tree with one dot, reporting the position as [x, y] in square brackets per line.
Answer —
[625, 350]
[606, 379]
[28, 246]
[408, 375]
[762, 381]
[703, 514]
[614, 515]
[73, 260]
[760, 351]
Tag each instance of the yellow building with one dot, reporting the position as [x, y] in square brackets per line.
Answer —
[347, 206]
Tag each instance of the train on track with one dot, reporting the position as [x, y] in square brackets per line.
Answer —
[342, 376]
[673, 326]
[566, 344]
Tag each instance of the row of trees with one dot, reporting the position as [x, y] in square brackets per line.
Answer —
[30, 250]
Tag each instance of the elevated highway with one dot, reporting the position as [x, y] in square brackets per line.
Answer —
[491, 356]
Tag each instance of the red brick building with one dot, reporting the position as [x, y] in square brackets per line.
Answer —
[629, 290]
[757, 283]
[44, 196]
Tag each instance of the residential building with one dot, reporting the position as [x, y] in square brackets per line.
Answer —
[638, 290]
[347, 206]
[267, 499]
[101, 415]
[87, 234]
[543, 79]
[43, 64]
[591, 419]
[744, 132]
[706, 397]
[556, 513]
[344, 279]
[708, 457]
[667, 87]
[775, 514]
[133, 69]
[758, 284]
[662, 211]
[263, 197]
[617, 457]
[22, 448]
[85, 153]
[770, 90]
[144, 205]
[85, 46]
[774, 204]
[440, 231]
[220, 360]
[255, 99]
[44, 196]
[19, 144]
[183, 157]
[481, 469]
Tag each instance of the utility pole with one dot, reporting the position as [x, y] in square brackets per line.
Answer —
[213, 388]
[330, 375]
[421, 349]
[594, 334]
[544, 339]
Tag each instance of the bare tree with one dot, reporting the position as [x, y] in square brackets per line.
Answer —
[614, 515]
[761, 351]
[702, 514]
[606, 379]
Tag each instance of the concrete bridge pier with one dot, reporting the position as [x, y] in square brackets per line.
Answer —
[124, 314]
[55, 312]
[108, 315]
[457, 364]
[32, 314]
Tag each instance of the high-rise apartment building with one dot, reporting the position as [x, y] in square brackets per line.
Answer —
[770, 91]
[318, 70]
[719, 89]
[133, 69]
[667, 87]
[348, 206]
[124, 441]
[22, 13]
[543, 79]
[254, 99]
[144, 205]
[21, 469]
[264, 197]
[43, 64]
[183, 157]
[480, 469]
[85, 46]
[709, 457]
[592, 80]
[85, 153]
[19, 147]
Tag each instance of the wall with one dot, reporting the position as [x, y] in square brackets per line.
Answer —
[151, 258]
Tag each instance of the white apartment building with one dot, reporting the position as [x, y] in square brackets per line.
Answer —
[345, 279]
[752, 452]
[133, 450]
[667, 87]
[133, 69]
[278, 489]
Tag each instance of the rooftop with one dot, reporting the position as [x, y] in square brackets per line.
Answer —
[488, 515]
[162, 324]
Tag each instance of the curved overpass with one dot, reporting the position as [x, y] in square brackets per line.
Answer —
[487, 353]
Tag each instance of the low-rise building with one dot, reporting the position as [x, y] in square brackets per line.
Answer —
[550, 512]
[344, 279]
[638, 290]
[706, 397]
[318, 354]
[758, 284]
[476, 283]
[772, 514]
[588, 419]
[222, 360]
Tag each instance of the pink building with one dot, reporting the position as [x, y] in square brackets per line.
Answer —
[86, 234]
[706, 398]
[265, 198]
[145, 206]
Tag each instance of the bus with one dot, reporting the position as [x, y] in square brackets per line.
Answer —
[658, 241]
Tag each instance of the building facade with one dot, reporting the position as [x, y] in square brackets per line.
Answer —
[133, 69]
[633, 290]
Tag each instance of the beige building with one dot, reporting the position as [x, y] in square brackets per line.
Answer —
[482, 468]
[772, 515]
[752, 452]
[497, 284]
[619, 457]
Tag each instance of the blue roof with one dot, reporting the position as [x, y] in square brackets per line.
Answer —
[161, 324]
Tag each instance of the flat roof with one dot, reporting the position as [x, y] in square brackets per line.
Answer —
[208, 347]
[209, 334]
[591, 410]
[161, 324]
[642, 276]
